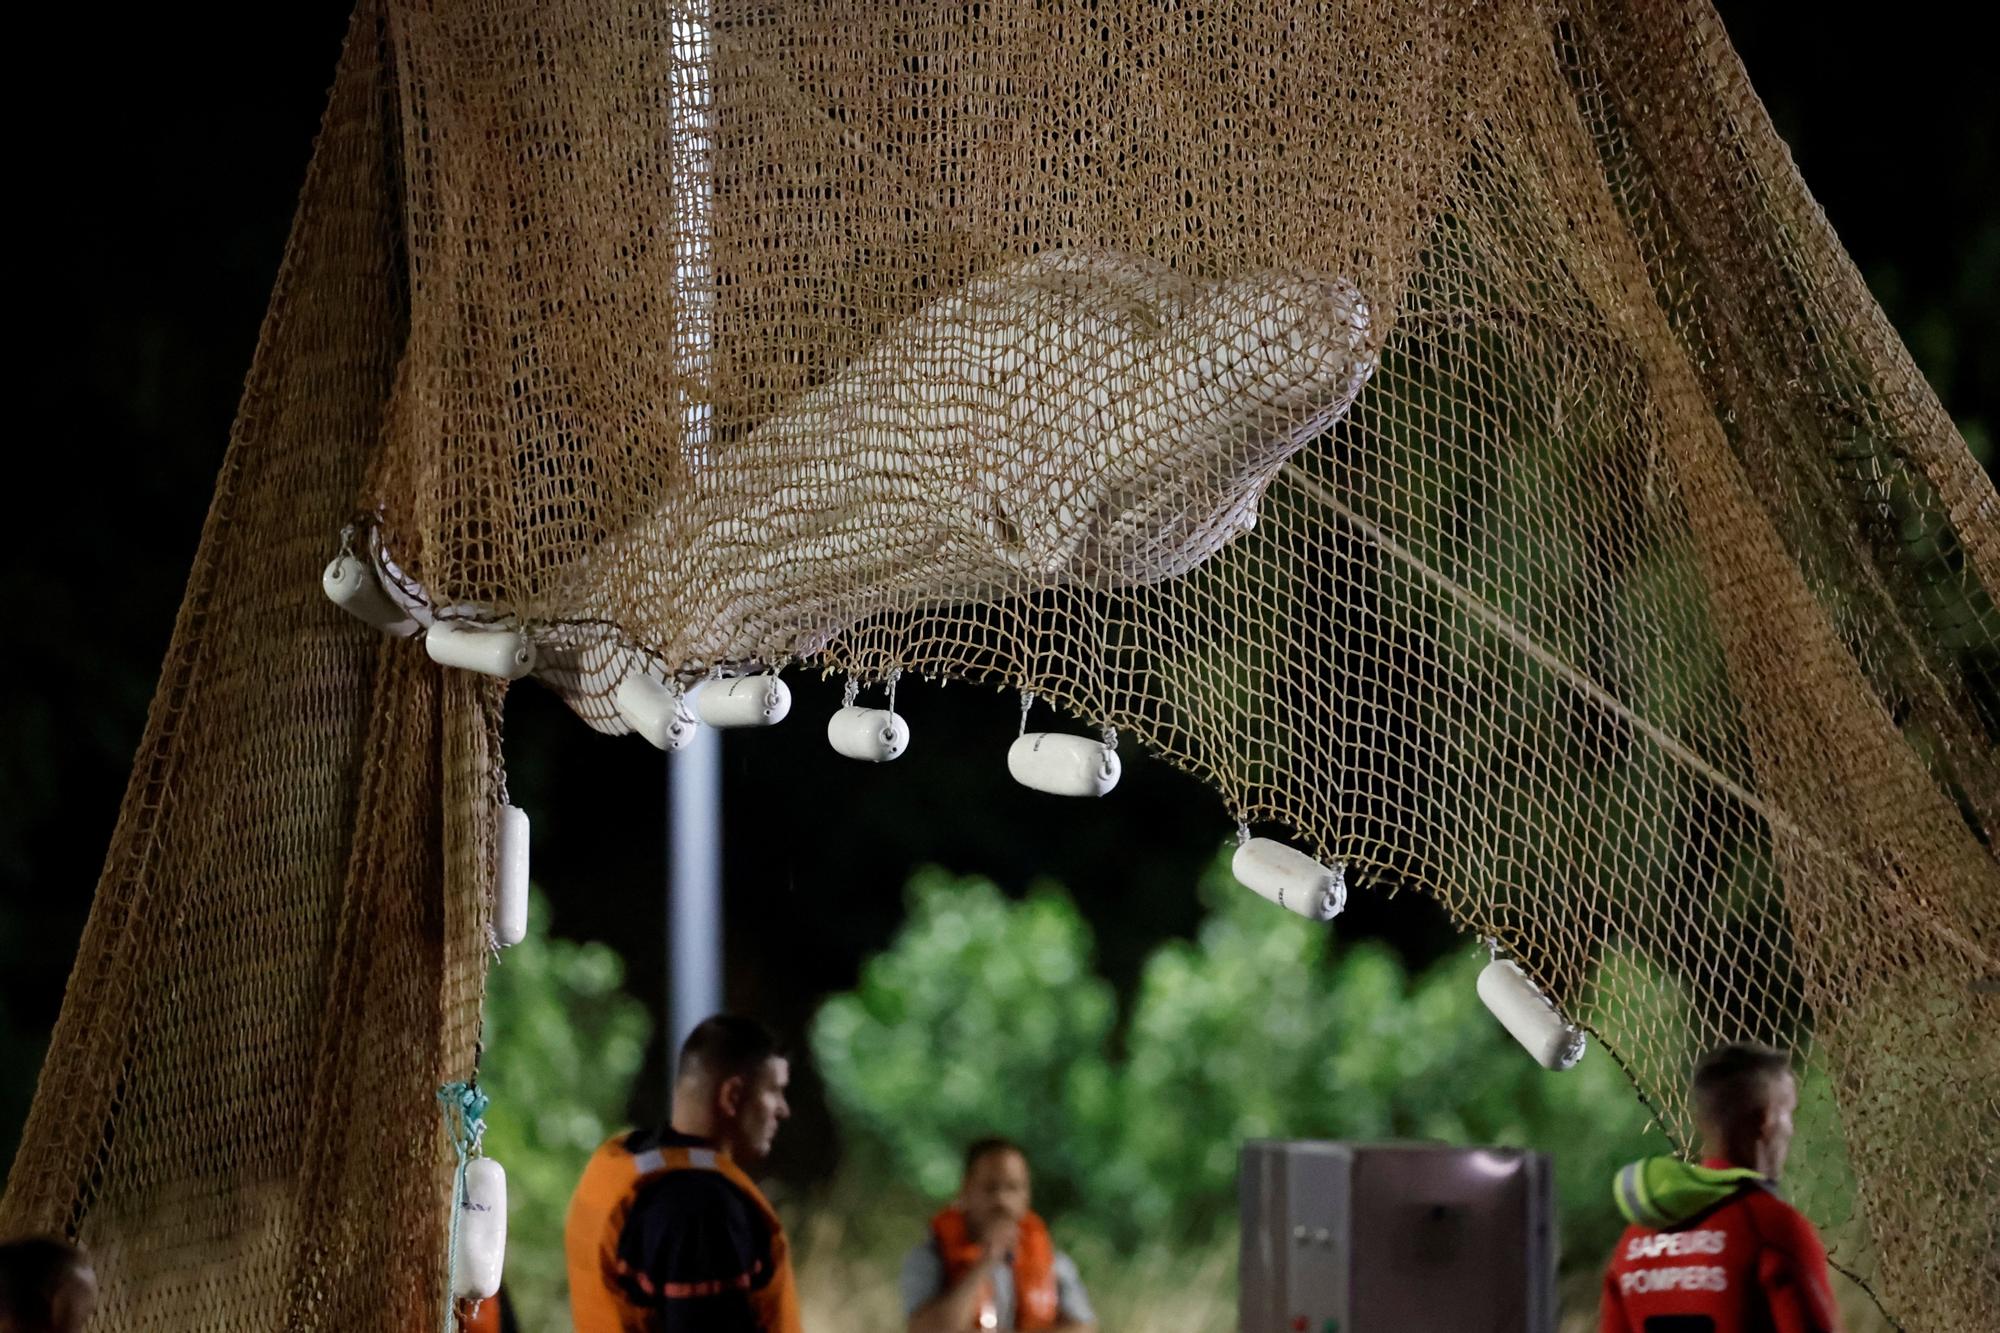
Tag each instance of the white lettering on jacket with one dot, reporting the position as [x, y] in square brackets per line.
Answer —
[1675, 1243]
[1673, 1279]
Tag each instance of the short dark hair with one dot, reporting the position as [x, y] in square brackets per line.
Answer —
[1735, 1080]
[32, 1272]
[727, 1045]
[986, 1147]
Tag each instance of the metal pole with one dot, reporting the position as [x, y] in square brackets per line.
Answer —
[694, 895]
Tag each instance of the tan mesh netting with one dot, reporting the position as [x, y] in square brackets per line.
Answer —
[1449, 430]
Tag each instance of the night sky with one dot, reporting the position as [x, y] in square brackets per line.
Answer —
[163, 162]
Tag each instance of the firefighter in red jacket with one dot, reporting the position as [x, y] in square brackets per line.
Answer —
[1713, 1248]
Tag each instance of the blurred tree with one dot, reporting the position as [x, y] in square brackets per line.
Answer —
[984, 1015]
[563, 1043]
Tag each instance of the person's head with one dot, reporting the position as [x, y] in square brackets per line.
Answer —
[995, 1184]
[46, 1286]
[730, 1086]
[1744, 1095]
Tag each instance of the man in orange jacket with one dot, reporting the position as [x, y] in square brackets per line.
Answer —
[989, 1262]
[1712, 1248]
[666, 1232]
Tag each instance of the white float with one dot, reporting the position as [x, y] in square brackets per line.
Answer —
[482, 1231]
[488, 650]
[872, 735]
[1063, 765]
[351, 585]
[655, 711]
[510, 891]
[1290, 878]
[1527, 1014]
[745, 701]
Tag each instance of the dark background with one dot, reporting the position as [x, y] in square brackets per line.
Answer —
[158, 187]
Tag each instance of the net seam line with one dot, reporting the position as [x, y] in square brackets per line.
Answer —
[1501, 625]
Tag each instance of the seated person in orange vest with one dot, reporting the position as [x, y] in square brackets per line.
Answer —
[666, 1234]
[1712, 1248]
[989, 1262]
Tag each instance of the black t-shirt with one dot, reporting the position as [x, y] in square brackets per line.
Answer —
[694, 1245]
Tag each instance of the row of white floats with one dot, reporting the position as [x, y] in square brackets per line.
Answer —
[669, 718]
[1076, 766]
[1052, 762]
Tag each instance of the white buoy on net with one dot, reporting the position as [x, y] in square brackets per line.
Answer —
[510, 891]
[351, 585]
[1526, 1013]
[490, 651]
[482, 1231]
[1063, 765]
[872, 735]
[1290, 878]
[656, 711]
[745, 701]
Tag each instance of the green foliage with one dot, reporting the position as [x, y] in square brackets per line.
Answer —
[563, 1044]
[984, 1016]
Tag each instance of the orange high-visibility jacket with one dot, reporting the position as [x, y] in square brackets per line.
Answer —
[1033, 1261]
[607, 1294]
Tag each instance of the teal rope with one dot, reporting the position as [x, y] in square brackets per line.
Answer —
[464, 1120]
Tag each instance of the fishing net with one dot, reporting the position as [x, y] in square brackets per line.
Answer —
[1448, 430]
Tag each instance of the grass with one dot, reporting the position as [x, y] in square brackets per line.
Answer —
[846, 1288]
[847, 1283]
[848, 1246]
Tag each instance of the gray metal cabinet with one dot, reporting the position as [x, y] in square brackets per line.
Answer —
[1396, 1238]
